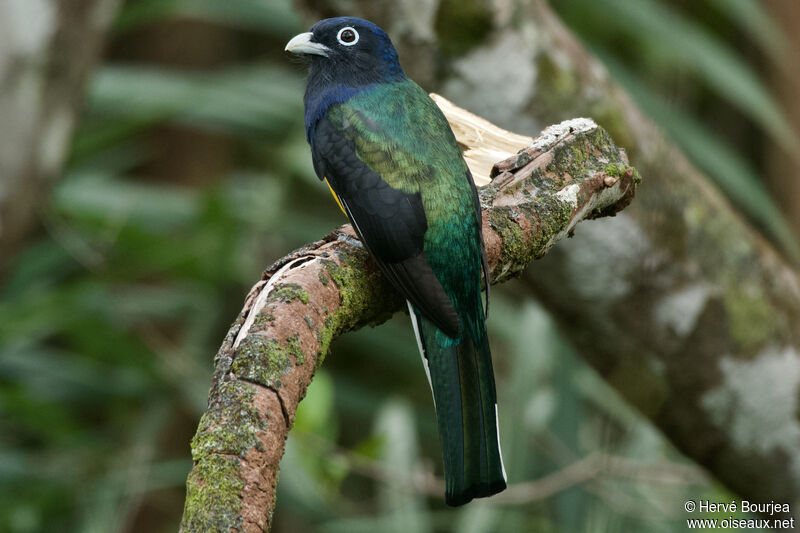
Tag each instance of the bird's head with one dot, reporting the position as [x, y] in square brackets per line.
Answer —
[348, 51]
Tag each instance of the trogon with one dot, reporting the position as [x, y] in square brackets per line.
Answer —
[393, 164]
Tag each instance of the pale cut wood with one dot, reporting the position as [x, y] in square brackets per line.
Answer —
[485, 144]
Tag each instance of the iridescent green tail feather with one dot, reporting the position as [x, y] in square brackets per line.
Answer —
[462, 380]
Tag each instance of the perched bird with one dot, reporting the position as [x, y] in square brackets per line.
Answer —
[392, 162]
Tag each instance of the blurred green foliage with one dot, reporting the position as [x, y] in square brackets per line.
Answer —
[108, 323]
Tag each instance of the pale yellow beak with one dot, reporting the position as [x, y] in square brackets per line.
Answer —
[304, 44]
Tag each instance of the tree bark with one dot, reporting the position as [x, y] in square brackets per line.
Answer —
[47, 49]
[685, 309]
[572, 172]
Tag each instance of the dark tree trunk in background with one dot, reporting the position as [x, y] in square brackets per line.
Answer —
[685, 309]
[783, 169]
[47, 50]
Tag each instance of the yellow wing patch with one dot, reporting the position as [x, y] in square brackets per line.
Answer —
[335, 197]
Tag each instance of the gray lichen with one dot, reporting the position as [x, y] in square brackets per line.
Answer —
[757, 403]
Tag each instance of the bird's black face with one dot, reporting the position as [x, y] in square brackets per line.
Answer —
[348, 51]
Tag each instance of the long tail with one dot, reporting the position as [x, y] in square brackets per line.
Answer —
[462, 380]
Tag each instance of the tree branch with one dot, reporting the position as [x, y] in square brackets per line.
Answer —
[571, 172]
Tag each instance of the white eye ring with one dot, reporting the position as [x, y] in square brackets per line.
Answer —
[339, 36]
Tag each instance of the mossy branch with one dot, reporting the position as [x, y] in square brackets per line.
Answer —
[540, 190]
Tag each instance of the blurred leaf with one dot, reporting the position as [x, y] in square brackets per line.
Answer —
[39, 266]
[154, 206]
[109, 140]
[690, 45]
[58, 376]
[246, 100]
[754, 19]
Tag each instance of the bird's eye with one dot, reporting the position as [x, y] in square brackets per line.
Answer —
[347, 36]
